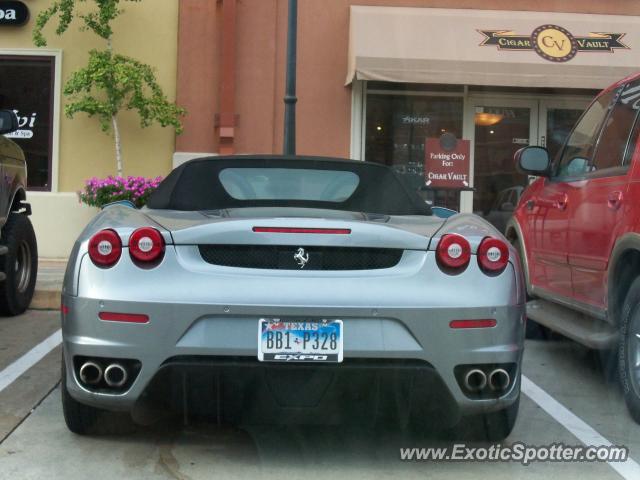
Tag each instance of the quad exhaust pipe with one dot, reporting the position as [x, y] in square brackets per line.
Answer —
[475, 380]
[90, 373]
[115, 375]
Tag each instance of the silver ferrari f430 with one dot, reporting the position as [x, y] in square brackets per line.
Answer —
[288, 289]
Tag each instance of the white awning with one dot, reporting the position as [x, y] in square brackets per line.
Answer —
[489, 47]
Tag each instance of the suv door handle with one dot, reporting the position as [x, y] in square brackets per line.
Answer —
[560, 201]
[615, 200]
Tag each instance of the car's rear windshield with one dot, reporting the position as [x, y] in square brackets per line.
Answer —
[288, 184]
[249, 181]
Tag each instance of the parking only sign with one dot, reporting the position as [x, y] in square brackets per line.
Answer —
[446, 163]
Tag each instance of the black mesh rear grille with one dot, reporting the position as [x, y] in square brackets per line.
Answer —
[287, 257]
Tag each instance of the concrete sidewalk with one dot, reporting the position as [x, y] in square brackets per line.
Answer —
[49, 284]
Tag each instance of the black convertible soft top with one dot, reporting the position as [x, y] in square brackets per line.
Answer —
[196, 185]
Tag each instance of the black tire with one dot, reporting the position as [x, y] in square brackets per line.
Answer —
[488, 427]
[629, 350]
[19, 264]
[533, 330]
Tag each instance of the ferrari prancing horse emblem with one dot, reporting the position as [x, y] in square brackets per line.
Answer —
[301, 257]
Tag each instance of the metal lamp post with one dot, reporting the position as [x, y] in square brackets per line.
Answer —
[290, 98]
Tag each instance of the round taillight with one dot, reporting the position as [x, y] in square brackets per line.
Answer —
[146, 245]
[453, 251]
[493, 255]
[105, 248]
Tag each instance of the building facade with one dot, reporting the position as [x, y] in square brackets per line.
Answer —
[378, 80]
[61, 152]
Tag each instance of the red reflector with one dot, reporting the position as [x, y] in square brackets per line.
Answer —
[318, 231]
[64, 309]
[123, 317]
[487, 323]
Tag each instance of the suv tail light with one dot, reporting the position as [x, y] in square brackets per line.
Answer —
[105, 248]
[454, 251]
[146, 245]
[493, 255]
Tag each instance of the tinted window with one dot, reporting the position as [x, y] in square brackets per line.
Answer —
[578, 152]
[288, 184]
[615, 135]
[26, 88]
[633, 140]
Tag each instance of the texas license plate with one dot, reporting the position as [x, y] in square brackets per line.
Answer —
[299, 341]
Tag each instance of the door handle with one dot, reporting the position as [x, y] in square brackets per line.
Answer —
[615, 200]
[560, 202]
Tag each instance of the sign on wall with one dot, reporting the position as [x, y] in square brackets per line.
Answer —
[553, 43]
[446, 163]
[13, 13]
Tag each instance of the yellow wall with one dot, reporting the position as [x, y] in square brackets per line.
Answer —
[147, 31]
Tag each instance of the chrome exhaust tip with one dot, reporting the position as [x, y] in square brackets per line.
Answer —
[475, 380]
[499, 380]
[115, 375]
[90, 373]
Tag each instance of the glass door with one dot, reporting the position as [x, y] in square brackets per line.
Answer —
[556, 119]
[499, 128]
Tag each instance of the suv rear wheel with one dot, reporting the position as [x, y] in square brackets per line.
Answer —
[629, 350]
[534, 331]
[19, 264]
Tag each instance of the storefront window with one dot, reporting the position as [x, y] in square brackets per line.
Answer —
[397, 126]
[26, 87]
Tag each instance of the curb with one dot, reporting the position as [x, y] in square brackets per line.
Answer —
[46, 300]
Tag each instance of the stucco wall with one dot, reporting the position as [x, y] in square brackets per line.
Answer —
[147, 31]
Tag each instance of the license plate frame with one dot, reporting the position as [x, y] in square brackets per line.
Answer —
[308, 341]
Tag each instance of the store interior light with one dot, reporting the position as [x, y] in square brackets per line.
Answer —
[484, 119]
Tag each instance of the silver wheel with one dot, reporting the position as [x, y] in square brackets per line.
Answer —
[23, 267]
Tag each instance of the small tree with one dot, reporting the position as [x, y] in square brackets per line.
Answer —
[110, 82]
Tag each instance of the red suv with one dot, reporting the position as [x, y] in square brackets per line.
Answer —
[577, 228]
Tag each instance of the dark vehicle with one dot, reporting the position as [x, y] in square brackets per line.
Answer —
[503, 208]
[18, 249]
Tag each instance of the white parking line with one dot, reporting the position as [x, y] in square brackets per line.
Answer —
[28, 360]
[630, 470]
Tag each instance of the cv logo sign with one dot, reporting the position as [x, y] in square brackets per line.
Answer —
[552, 42]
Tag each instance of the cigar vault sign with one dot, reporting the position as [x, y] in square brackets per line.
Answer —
[446, 162]
[553, 43]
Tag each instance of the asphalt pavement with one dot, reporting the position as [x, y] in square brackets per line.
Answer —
[566, 399]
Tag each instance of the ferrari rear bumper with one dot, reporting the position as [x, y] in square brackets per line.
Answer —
[387, 343]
